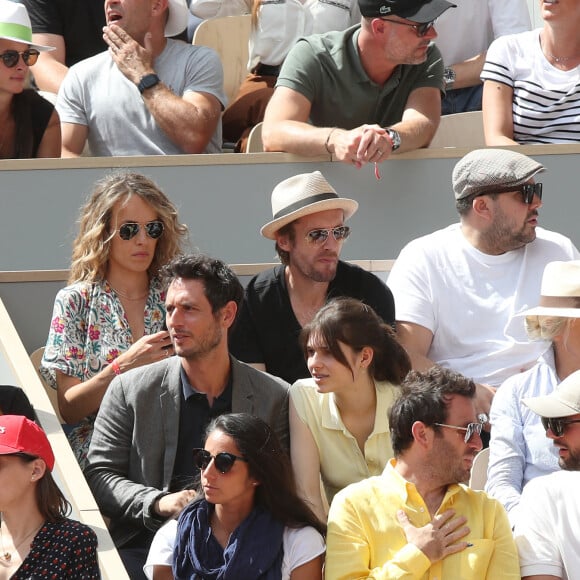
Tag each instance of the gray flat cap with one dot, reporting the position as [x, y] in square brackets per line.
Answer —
[484, 170]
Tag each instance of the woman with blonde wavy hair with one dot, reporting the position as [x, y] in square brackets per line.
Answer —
[110, 318]
[519, 449]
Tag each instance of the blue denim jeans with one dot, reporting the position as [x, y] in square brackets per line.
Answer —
[462, 100]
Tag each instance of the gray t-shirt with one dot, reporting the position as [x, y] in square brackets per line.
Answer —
[95, 93]
[326, 69]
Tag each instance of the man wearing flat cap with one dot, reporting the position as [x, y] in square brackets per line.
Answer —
[308, 227]
[546, 531]
[459, 290]
[363, 93]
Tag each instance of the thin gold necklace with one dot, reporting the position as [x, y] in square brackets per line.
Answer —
[126, 296]
[5, 554]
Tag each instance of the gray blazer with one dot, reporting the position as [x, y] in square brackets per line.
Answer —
[134, 441]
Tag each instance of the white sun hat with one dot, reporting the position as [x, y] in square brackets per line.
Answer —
[15, 25]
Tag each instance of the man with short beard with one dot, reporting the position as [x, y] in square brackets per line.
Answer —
[546, 531]
[309, 231]
[419, 519]
[141, 467]
[364, 93]
[459, 291]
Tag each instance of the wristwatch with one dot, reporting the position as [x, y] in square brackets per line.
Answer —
[395, 138]
[449, 76]
[148, 82]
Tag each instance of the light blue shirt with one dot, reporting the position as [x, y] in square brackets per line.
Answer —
[519, 449]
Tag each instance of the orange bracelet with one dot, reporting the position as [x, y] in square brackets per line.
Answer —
[116, 368]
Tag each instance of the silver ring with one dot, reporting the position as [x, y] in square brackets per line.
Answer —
[167, 353]
[379, 152]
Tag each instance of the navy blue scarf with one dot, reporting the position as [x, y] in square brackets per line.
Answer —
[255, 549]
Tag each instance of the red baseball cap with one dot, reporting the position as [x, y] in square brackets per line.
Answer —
[21, 435]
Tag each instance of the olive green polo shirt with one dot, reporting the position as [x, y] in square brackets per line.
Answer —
[327, 70]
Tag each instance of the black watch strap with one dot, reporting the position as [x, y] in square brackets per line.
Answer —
[148, 82]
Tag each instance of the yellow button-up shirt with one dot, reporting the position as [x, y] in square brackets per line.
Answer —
[365, 539]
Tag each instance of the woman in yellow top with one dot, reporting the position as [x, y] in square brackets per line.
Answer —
[338, 418]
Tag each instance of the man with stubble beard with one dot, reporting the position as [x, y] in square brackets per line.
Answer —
[418, 519]
[459, 291]
[549, 518]
[308, 227]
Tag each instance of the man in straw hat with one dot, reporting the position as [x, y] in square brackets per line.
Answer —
[364, 93]
[308, 227]
[546, 530]
[459, 289]
[146, 95]
[519, 450]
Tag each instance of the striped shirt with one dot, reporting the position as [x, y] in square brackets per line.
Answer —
[546, 100]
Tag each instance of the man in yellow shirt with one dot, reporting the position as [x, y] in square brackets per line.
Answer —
[418, 519]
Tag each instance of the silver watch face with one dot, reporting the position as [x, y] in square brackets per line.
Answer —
[395, 138]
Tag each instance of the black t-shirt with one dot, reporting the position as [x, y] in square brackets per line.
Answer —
[79, 22]
[267, 330]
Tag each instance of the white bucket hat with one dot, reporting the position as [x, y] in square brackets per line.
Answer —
[177, 19]
[563, 401]
[15, 25]
[560, 291]
[301, 195]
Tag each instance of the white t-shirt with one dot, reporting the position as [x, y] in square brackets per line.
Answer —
[546, 531]
[470, 300]
[95, 93]
[282, 22]
[546, 100]
[301, 545]
[469, 29]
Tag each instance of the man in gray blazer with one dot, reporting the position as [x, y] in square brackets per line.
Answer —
[141, 466]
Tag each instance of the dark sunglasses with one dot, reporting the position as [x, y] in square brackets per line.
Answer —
[320, 236]
[420, 29]
[129, 230]
[223, 461]
[528, 190]
[10, 57]
[557, 426]
[470, 430]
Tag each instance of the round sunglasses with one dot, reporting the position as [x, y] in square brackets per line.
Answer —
[222, 461]
[129, 230]
[10, 57]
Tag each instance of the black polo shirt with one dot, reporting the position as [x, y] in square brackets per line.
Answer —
[195, 414]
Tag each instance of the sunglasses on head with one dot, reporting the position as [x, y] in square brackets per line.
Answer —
[129, 230]
[319, 236]
[470, 430]
[222, 461]
[420, 29]
[10, 57]
[557, 425]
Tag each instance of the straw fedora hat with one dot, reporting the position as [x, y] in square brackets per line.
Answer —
[302, 195]
[560, 291]
[15, 25]
[177, 19]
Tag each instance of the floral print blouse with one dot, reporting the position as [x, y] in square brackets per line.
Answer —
[88, 331]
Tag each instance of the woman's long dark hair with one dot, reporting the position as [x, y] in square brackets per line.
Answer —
[268, 464]
[356, 324]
